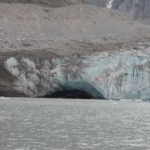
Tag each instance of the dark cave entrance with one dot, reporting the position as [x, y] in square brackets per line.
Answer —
[72, 94]
[76, 90]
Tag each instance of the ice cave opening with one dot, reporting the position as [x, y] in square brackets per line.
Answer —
[76, 90]
[72, 94]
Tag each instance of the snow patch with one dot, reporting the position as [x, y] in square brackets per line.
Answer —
[109, 4]
[11, 65]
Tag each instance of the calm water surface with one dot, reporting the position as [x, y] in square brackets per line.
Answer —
[30, 124]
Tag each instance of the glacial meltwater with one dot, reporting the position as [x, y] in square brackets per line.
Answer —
[52, 124]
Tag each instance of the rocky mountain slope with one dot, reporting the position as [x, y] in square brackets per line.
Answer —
[31, 27]
[139, 9]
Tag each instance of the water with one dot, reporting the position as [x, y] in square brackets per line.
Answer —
[27, 124]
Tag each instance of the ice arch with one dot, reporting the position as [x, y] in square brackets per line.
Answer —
[74, 90]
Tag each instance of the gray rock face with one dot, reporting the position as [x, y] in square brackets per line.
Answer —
[139, 9]
[117, 75]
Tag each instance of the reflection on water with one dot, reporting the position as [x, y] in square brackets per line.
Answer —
[27, 124]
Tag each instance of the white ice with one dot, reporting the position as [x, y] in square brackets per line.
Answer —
[109, 4]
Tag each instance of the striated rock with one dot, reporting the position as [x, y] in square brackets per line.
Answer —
[117, 75]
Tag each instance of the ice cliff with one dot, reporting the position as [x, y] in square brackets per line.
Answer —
[117, 75]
